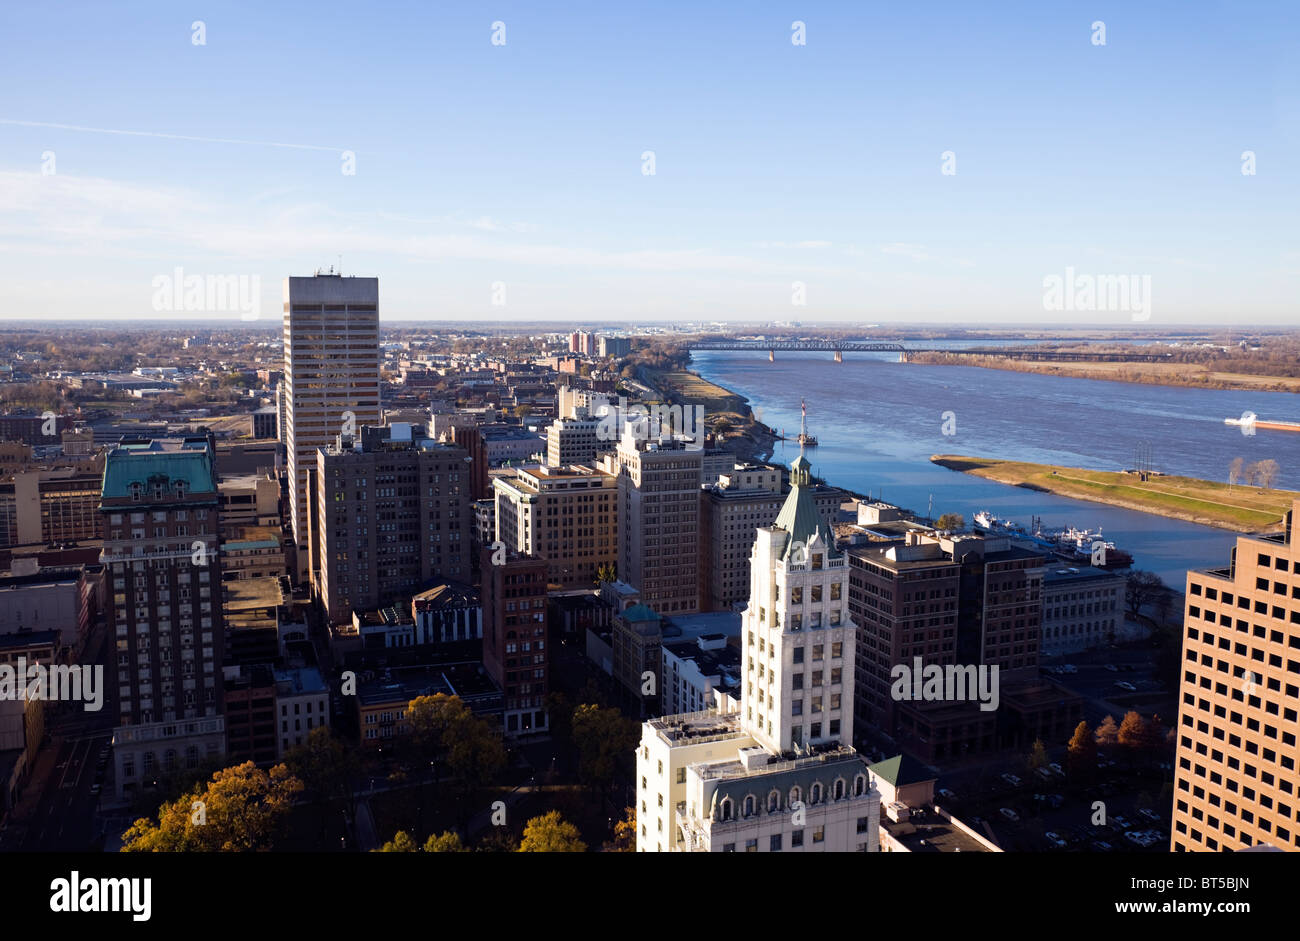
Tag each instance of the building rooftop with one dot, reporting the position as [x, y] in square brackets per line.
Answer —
[694, 728]
[448, 594]
[927, 832]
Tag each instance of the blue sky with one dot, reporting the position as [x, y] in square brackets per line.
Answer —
[521, 164]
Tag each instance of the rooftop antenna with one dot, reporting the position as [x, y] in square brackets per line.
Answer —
[340, 264]
[803, 425]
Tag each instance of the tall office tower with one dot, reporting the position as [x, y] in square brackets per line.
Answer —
[565, 515]
[514, 637]
[780, 774]
[394, 513]
[1235, 779]
[160, 512]
[659, 519]
[574, 440]
[331, 378]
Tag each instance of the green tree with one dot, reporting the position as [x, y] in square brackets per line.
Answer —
[551, 833]
[446, 842]
[240, 810]
[952, 522]
[400, 843]
[603, 736]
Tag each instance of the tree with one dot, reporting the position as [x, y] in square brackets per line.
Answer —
[603, 736]
[1234, 471]
[624, 834]
[1140, 589]
[1037, 756]
[951, 522]
[1107, 732]
[498, 840]
[431, 719]
[606, 573]
[240, 810]
[400, 843]
[1082, 748]
[324, 765]
[475, 752]
[446, 842]
[551, 833]
[1153, 735]
[1250, 473]
[1132, 730]
[1266, 471]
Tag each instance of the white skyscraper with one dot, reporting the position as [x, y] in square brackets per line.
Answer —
[331, 376]
[779, 774]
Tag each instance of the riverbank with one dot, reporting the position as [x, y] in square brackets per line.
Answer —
[727, 415]
[1192, 375]
[1237, 508]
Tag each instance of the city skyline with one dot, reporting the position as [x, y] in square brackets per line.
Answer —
[947, 165]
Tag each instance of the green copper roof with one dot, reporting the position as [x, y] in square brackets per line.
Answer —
[799, 515]
[125, 466]
[901, 770]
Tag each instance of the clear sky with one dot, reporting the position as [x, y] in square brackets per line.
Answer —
[521, 164]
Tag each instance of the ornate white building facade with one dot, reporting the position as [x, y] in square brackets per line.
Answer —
[779, 774]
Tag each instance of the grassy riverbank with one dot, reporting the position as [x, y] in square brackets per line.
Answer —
[1193, 375]
[1239, 508]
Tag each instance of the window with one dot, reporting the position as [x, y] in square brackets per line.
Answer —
[796, 839]
[819, 835]
[775, 844]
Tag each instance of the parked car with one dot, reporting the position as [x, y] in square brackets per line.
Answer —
[1102, 846]
[1055, 839]
[1112, 668]
[1149, 814]
[1057, 769]
[1121, 822]
[1125, 685]
[947, 794]
[1011, 779]
[1009, 814]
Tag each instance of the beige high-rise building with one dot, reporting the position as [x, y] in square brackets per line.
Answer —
[1235, 779]
[331, 377]
[565, 515]
[659, 518]
[573, 441]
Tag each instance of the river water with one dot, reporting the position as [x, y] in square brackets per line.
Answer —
[878, 421]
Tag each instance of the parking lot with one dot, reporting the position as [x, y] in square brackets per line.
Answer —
[1123, 809]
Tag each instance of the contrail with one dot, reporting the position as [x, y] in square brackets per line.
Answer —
[204, 140]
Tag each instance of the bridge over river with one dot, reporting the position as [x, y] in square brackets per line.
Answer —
[840, 347]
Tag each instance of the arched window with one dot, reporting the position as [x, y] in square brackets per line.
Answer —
[816, 793]
[859, 785]
[773, 802]
[750, 805]
[169, 759]
[839, 788]
[796, 795]
[724, 808]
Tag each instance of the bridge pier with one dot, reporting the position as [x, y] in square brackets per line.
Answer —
[902, 357]
[771, 356]
[839, 356]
